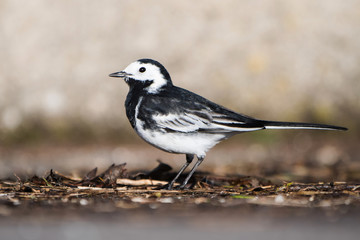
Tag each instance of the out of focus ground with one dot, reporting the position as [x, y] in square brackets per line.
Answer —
[306, 187]
[131, 206]
[297, 211]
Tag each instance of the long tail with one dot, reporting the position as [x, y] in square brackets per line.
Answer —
[299, 125]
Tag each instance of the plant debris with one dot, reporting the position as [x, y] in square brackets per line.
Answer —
[133, 190]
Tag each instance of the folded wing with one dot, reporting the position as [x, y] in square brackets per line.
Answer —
[204, 120]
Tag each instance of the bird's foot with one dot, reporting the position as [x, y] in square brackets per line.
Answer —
[183, 187]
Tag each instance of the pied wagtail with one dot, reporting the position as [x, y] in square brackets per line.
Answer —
[179, 121]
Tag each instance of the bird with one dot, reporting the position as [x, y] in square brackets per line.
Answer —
[179, 121]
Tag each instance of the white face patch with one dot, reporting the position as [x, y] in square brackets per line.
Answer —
[144, 72]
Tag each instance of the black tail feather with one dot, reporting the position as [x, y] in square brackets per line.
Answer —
[299, 125]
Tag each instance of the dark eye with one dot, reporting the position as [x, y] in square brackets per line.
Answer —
[142, 69]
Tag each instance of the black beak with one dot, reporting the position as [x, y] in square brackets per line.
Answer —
[120, 74]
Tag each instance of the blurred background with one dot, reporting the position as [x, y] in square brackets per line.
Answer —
[277, 60]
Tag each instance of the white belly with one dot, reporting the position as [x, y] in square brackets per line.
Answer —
[175, 142]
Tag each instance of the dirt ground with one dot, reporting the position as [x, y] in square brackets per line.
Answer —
[300, 199]
[133, 205]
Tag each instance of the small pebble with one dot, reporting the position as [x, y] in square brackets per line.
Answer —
[138, 200]
[166, 200]
[279, 199]
[84, 202]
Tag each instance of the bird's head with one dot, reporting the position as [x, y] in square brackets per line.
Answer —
[148, 73]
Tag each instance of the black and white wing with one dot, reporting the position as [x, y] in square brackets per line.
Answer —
[186, 112]
[202, 121]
